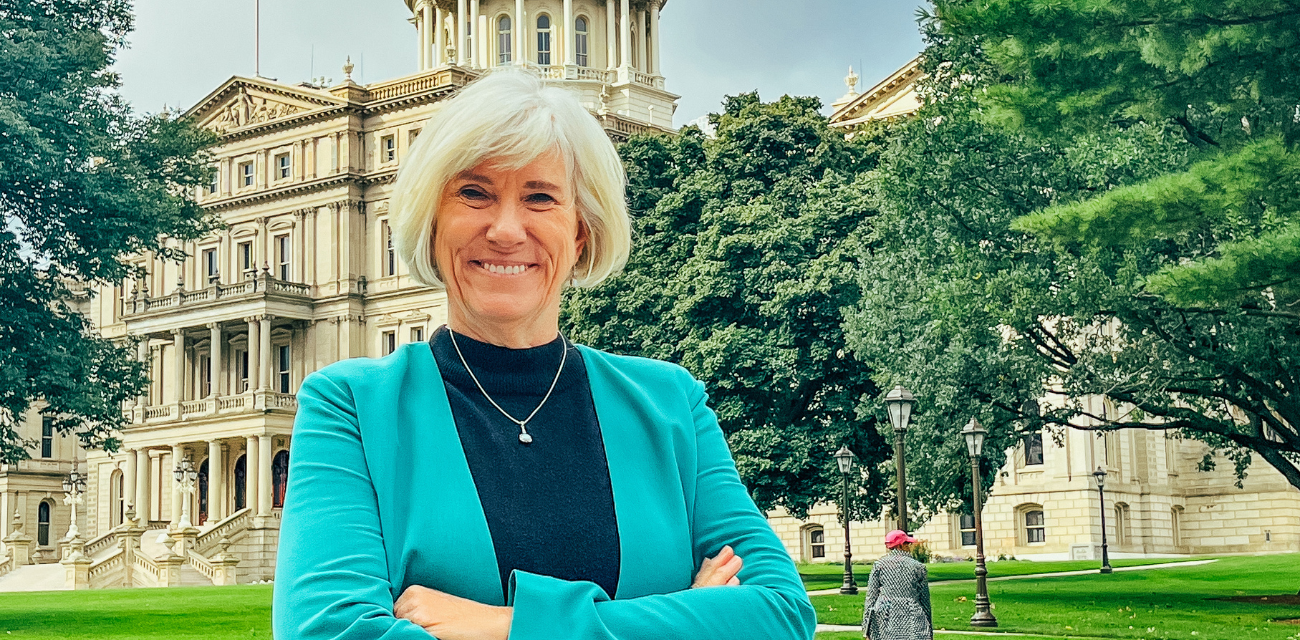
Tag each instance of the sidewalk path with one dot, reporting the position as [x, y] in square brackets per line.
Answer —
[1055, 574]
[939, 632]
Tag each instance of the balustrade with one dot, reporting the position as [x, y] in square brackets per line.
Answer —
[259, 284]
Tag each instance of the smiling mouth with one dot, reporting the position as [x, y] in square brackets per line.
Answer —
[502, 269]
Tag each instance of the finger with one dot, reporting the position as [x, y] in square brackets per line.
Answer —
[731, 568]
[725, 554]
[733, 582]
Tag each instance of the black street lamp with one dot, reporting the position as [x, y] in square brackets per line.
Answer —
[844, 458]
[899, 401]
[1100, 475]
[974, 434]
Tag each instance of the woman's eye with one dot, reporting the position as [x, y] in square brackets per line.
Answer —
[540, 198]
[473, 193]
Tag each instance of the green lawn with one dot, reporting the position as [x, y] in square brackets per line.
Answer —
[1156, 604]
[197, 613]
[854, 635]
[829, 576]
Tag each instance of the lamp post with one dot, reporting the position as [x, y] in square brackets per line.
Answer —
[899, 401]
[185, 476]
[844, 458]
[1100, 475]
[974, 434]
[74, 486]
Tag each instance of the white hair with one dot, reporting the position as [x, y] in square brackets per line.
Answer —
[510, 118]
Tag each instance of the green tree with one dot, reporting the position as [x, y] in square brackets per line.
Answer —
[1034, 243]
[743, 258]
[84, 183]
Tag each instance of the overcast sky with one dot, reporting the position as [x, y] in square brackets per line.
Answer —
[181, 51]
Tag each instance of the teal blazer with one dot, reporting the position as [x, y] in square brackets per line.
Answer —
[380, 498]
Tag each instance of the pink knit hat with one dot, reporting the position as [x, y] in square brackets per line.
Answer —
[896, 538]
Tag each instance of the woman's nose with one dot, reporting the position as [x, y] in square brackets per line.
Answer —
[507, 226]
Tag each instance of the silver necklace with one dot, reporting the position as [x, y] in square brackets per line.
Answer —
[523, 424]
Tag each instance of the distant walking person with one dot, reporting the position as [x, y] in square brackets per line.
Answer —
[898, 595]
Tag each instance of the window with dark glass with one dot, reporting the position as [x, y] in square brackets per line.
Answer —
[43, 525]
[1035, 526]
[1034, 448]
[246, 259]
[47, 437]
[241, 482]
[246, 173]
[580, 41]
[544, 40]
[241, 369]
[282, 353]
[203, 492]
[205, 376]
[967, 525]
[390, 342]
[283, 165]
[283, 254]
[390, 255]
[417, 334]
[388, 146]
[503, 40]
[215, 185]
[210, 263]
[817, 543]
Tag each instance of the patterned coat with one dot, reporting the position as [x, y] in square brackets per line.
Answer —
[898, 600]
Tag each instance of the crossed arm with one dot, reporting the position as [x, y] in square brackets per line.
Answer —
[321, 593]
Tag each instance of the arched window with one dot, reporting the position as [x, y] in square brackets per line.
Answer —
[116, 498]
[1034, 448]
[43, 524]
[279, 477]
[1033, 523]
[503, 40]
[203, 492]
[544, 40]
[814, 543]
[241, 482]
[1176, 523]
[580, 40]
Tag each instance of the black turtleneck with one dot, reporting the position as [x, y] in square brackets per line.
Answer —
[549, 504]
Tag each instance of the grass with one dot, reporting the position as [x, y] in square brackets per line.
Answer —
[189, 613]
[854, 635]
[830, 576]
[1176, 603]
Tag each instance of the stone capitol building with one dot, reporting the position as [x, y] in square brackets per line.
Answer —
[305, 274]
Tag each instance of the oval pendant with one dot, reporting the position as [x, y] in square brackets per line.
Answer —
[525, 438]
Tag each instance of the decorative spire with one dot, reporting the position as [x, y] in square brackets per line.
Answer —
[347, 68]
[852, 81]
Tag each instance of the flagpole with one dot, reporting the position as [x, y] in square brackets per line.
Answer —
[257, 38]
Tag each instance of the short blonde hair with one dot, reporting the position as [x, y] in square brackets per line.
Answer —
[509, 117]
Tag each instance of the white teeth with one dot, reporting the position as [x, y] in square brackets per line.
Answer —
[504, 270]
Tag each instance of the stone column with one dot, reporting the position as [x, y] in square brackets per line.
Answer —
[462, 53]
[611, 35]
[439, 37]
[640, 41]
[252, 463]
[264, 351]
[264, 480]
[214, 360]
[216, 481]
[475, 35]
[143, 479]
[128, 479]
[178, 343]
[309, 252]
[625, 33]
[482, 40]
[567, 34]
[178, 454]
[254, 358]
[521, 42]
[422, 31]
[654, 40]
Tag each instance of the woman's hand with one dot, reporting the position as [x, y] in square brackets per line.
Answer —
[719, 570]
[449, 617]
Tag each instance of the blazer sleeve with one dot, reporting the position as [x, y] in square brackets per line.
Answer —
[923, 592]
[770, 603]
[331, 578]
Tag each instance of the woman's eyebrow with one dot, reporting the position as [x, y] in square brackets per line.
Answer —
[475, 177]
[541, 184]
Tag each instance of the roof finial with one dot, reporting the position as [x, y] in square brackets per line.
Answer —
[348, 67]
[852, 81]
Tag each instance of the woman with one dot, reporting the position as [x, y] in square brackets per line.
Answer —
[499, 481]
[898, 594]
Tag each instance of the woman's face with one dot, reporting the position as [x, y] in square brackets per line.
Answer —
[507, 239]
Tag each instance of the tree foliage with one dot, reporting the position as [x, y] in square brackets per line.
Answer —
[743, 257]
[84, 183]
[1052, 224]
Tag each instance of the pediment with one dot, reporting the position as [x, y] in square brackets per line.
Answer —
[248, 102]
[893, 96]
